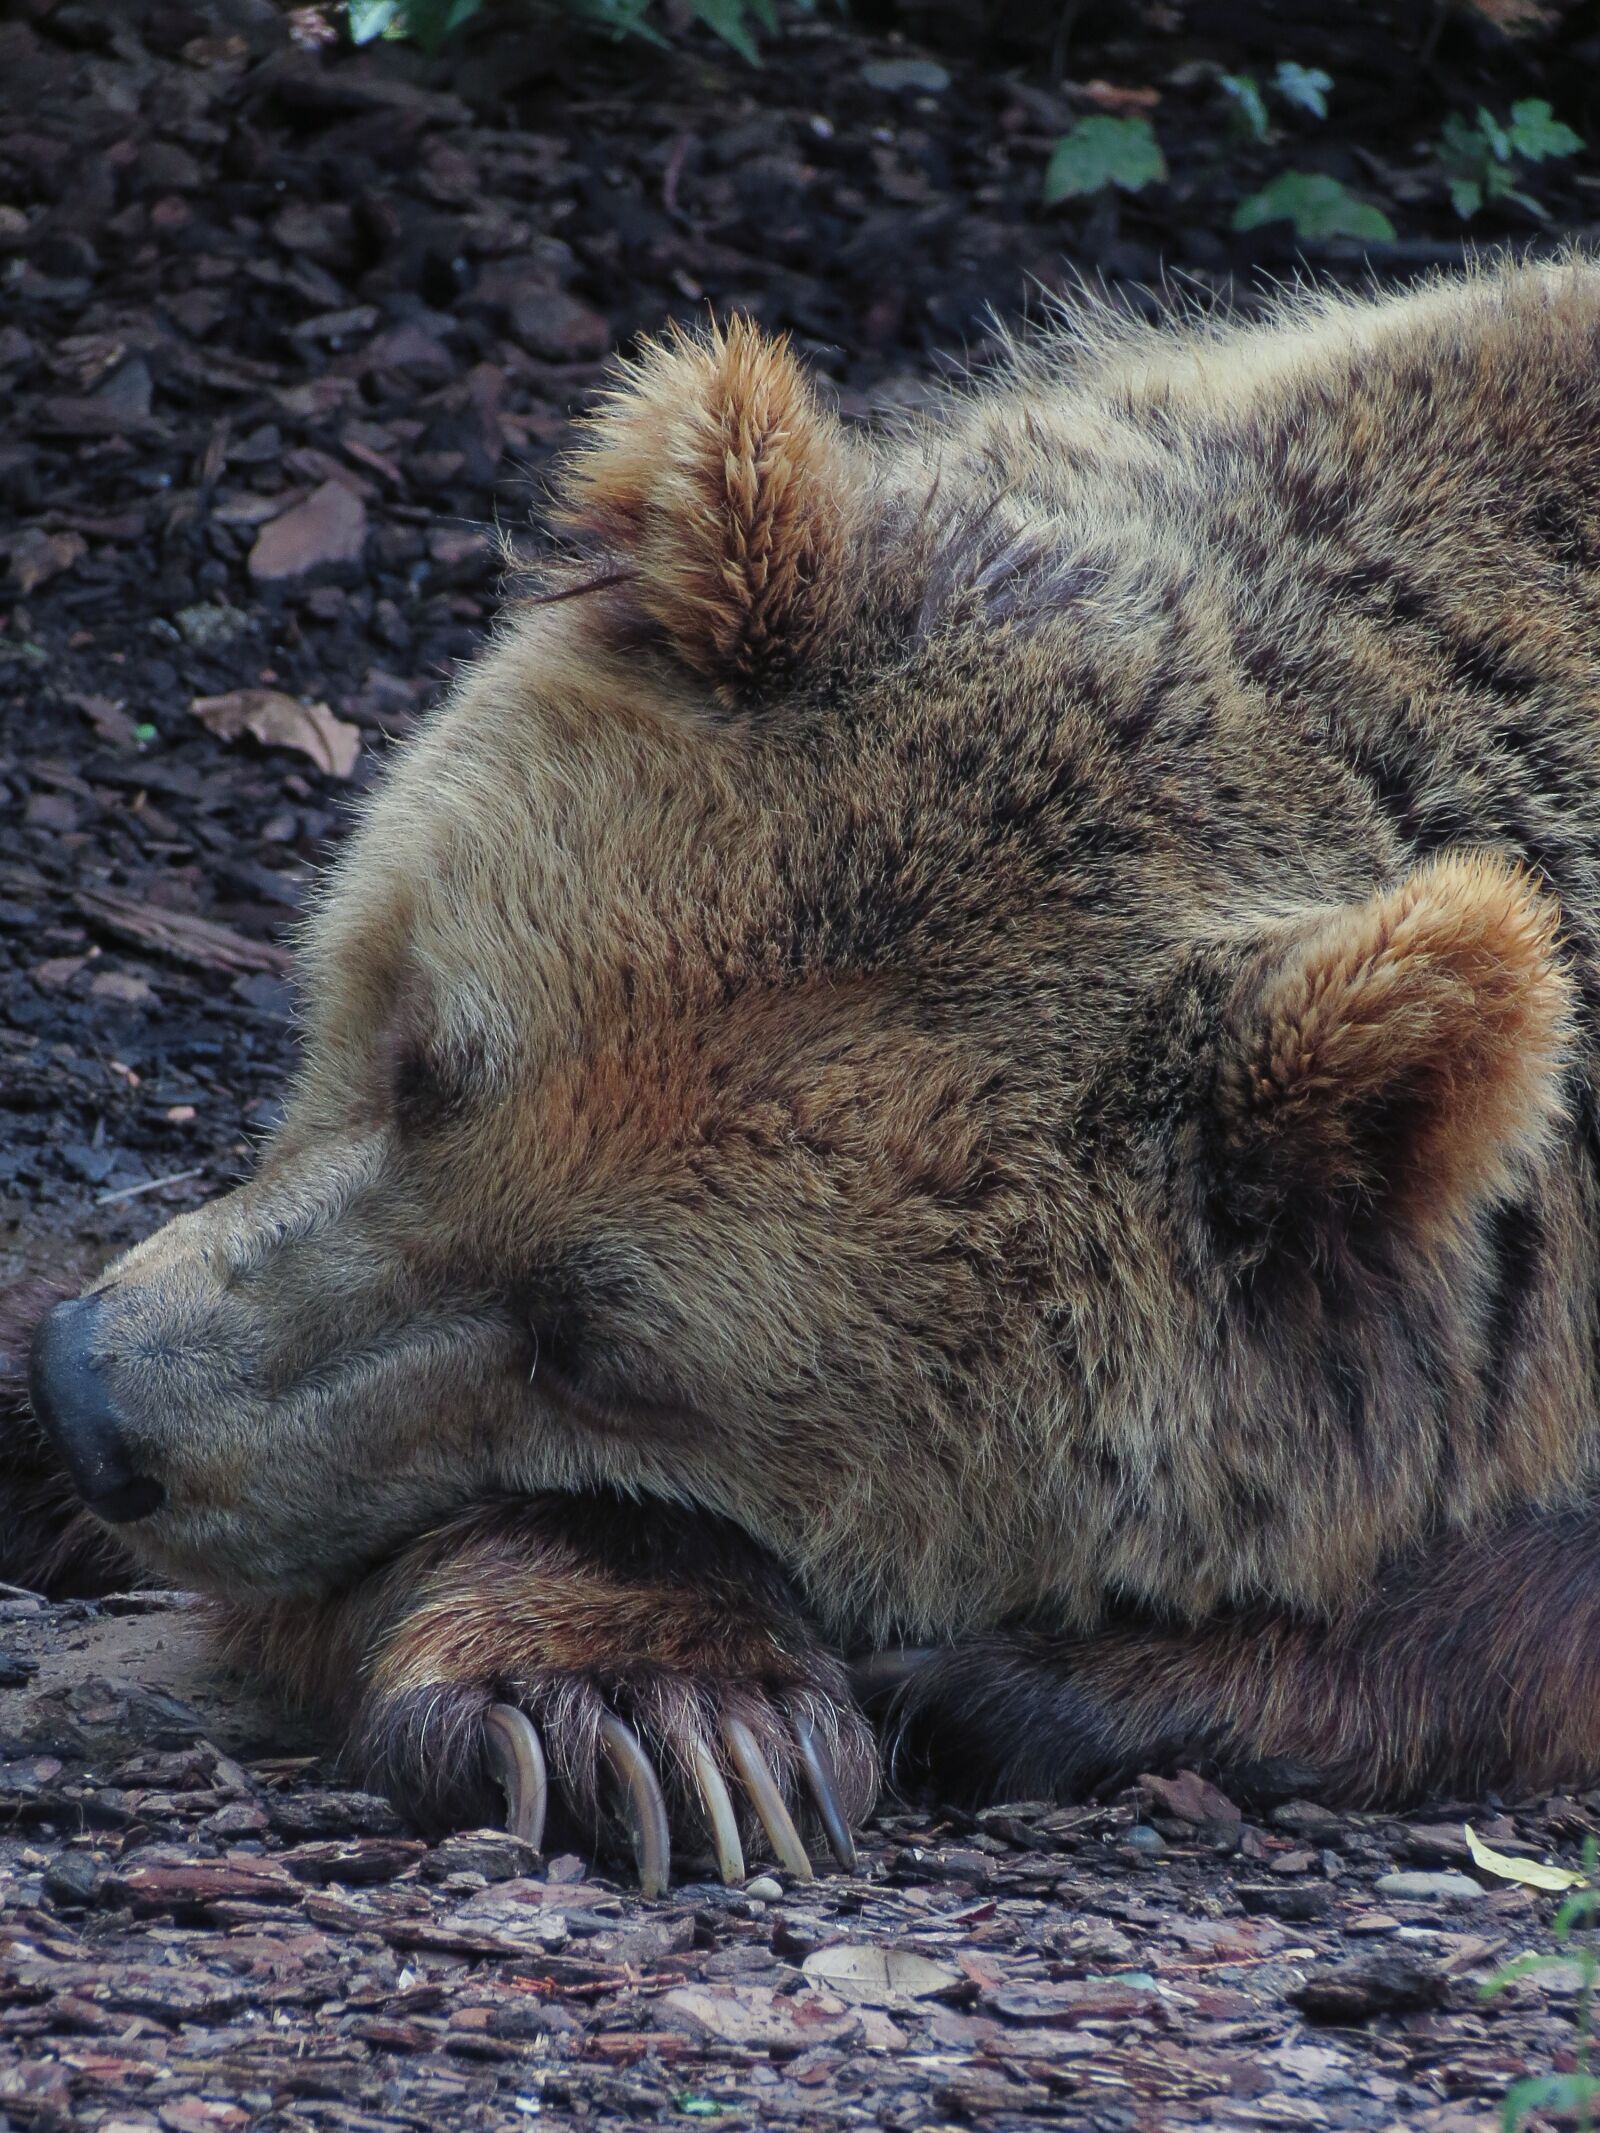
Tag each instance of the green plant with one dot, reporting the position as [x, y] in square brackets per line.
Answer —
[430, 22]
[1305, 88]
[1247, 106]
[1479, 156]
[1317, 205]
[1573, 2094]
[425, 22]
[1098, 152]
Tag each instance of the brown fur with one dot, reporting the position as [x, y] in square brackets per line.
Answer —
[568, 1606]
[1460, 1670]
[714, 471]
[1009, 1010]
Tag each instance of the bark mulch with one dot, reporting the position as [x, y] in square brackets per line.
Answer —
[201, 1926]
[285, 332]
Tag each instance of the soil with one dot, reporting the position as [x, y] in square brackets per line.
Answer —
[288, 332]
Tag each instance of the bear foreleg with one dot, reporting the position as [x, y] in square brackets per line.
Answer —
[624, 1662]
[1473, 1665]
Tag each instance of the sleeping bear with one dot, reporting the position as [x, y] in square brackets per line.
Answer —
[960, 1082]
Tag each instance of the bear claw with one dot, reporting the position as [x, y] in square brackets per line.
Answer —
[824, 1788]
[517, 1762]
[643, 1804]
[516, 1757]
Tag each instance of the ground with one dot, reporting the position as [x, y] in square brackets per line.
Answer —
[285, 333]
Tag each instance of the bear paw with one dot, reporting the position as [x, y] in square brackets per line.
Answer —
[612, 1668]
[654, 1754]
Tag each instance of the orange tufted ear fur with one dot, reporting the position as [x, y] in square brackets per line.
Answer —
[1402, 1053]
[712, 471]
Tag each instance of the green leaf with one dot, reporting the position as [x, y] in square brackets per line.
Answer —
[1249, 107]
[428, 22]
[144, 733]
[1572, 2093]
[1304, 87]
[1495, 137]
[373, 18]
[1317, 205]
[726, 17]
[1466, 197]
[623, 18]
[1536, 132]
[1104, 151]
[1460, 140]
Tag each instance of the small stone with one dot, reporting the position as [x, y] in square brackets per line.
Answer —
[1142, 1838]
[1419, 1887]
[893, 76]
[124, 988]
[71, 1881]
[1308, 1819]
[764, 1889]
[1300, 1862]
[1189, 1801]
[213, 628]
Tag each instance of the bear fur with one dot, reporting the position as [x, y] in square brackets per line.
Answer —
[976, 1044]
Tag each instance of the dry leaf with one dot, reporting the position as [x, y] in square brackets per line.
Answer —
[330, 527]
[878, 1977]
[37, 556]
[1111, 96]
[281, 721]
[759, 2018]
[1532, 1873]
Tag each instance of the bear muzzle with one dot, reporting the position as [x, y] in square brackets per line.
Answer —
[73, 1404]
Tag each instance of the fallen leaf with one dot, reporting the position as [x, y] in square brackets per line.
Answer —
[329, 527]
[1112, 96]
[37, 556]
[1532, 1873]
[761, 2019]
[280, 721]
[879, 1977]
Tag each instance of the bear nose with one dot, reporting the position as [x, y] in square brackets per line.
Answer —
[71, 1401]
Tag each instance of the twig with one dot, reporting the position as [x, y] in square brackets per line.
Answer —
[132, 1192]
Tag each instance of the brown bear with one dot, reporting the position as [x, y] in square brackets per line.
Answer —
[976, 1046]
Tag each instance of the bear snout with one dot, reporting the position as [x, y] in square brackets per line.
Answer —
[74, 1405]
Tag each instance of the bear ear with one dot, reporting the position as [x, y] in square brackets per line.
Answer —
[727, 497]
[1400, 1057]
